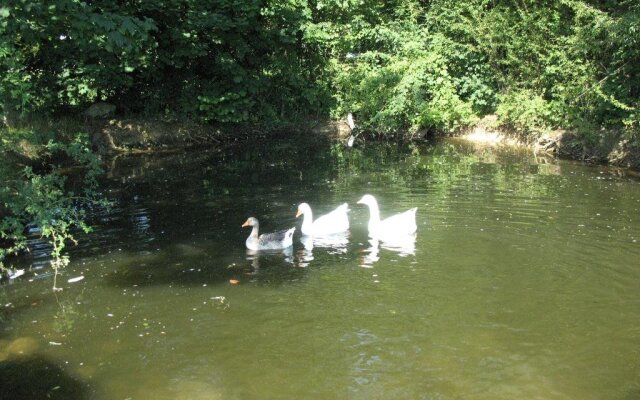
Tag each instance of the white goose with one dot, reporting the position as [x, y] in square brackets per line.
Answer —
[267, 241]
[399, 224]
[334, 222]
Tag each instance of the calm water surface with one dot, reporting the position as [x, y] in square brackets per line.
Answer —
[523, 282]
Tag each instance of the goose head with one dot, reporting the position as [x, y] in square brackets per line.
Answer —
[303, 208]
[368, 200]
[251, 221]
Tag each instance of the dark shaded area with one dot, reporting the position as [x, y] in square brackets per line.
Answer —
[608, 148]
[633, 393]
[268, 268]
[176, 217]
[18, 304]
[36, 377]
[217, 61]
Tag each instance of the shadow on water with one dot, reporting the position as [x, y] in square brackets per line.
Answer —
[274, 266]
[10, 309]
[633, 393]
[176, 217]
[37, 377]
[172, 267]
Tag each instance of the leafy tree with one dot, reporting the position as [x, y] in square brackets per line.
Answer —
[400, 65]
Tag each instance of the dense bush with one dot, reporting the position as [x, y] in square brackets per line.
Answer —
[223, 61]
[526, 111]
[538, 65]
[399, 65]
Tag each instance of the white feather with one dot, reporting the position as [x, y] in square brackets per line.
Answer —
[402, 224]
[334, 222]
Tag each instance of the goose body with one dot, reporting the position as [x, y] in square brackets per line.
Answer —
[334, 222]
[399, 224]
[267, 241]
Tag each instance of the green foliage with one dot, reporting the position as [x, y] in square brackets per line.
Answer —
[395, 76]
[538, 65]
[400, 66]
[526, 111]
[408, 91]
[67, 53]
[44, 199]
[213, 61]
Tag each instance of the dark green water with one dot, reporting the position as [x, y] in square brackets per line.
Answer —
[523, 282]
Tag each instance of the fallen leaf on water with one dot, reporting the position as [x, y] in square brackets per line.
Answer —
[234, 281]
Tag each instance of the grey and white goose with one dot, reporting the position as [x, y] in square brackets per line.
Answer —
[267, 241]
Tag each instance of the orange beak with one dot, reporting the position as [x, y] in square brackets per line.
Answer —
[246, 223]
[299, 213]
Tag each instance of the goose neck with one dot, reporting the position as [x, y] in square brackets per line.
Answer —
[374, 214]
[307, 219]
[254, 231]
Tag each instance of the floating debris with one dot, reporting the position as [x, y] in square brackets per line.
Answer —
[17, 273]
[76, 279]
[220, 301]
[234, 281]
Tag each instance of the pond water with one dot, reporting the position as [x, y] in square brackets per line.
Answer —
[523, 282]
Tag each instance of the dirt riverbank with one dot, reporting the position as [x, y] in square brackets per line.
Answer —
[142, 135]
[611, 147]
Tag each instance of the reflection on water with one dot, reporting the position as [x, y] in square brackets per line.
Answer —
[371, 254]
[258, 256]
[334, 244]
[403, 245]
[520, 283]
